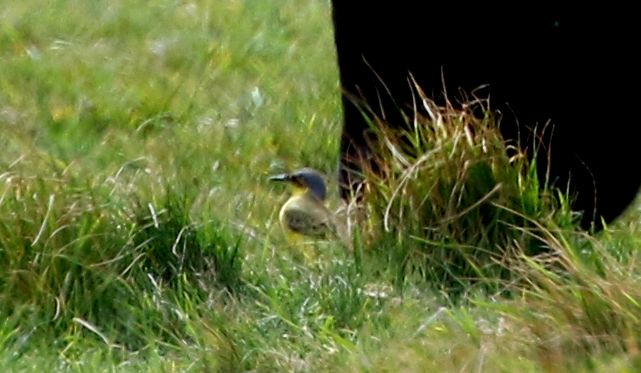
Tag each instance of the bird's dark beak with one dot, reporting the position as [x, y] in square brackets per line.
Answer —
[280, 177]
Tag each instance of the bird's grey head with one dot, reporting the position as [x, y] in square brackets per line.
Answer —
[305, 178]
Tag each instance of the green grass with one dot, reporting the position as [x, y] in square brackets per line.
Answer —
[138, 231]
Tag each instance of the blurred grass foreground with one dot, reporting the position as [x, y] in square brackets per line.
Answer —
[138, 231]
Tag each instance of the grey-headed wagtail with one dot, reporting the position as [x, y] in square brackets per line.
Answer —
[305, 212]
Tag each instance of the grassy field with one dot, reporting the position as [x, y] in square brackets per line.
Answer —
[138, 231]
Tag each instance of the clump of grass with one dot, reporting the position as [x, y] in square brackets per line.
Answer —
[452, 200]
[456, 206]
[78, 261]
[589, 308]
[174, 245]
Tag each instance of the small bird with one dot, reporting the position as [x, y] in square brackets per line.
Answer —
[305, 213]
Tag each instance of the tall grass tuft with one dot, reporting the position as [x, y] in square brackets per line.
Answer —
[588, 306]
[78, 261]
[451, 200]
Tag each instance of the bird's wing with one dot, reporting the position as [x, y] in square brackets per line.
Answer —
[309, 222]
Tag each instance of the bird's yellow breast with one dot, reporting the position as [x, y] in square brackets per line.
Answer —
[306, 215]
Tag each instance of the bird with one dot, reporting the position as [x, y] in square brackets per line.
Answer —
[305, 214]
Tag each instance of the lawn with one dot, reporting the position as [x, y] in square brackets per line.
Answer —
[139, 232]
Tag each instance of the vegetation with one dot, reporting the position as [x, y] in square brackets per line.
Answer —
[138, 231]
